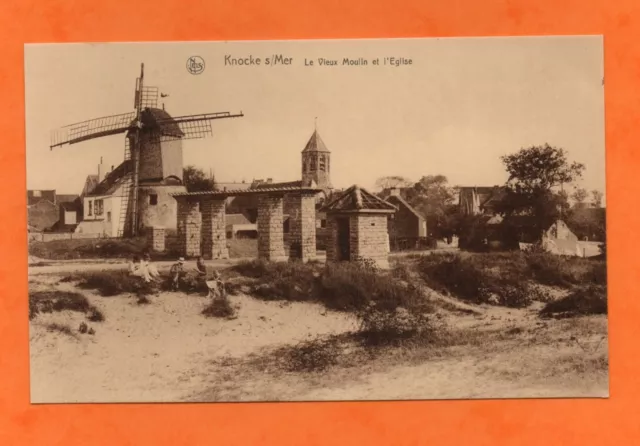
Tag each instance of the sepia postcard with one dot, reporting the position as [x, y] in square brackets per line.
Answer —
[390, 219]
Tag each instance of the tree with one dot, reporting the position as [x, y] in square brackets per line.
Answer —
[596, 198]
[534, 175]
[433, 197]
[392, 181]
[579, 195]
[196, 180]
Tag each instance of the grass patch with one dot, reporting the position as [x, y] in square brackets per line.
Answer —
[591, 299]
[564, 271]
[61, 328]
[55, 301]
[112, 283]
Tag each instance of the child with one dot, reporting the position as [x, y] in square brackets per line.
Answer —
[136, 268]
[177, 270]
[151, 269]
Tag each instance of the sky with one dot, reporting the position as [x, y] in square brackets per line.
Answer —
[458, 107]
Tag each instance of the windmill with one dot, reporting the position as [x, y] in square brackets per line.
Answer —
[146, 128]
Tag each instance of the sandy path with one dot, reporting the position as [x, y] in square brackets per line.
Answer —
[152, 353]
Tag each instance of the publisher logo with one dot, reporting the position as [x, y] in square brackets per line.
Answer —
[195, 65]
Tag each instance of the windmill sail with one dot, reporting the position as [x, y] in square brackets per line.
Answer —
[194, 126]
[92, 128]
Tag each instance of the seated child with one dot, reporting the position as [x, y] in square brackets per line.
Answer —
[177, 271]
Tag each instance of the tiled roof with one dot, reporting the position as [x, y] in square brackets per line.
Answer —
[405, 204]
[113, 180]
[90, 183]
[277, 185]
[358, 199]
[315, 144]
[226, 193]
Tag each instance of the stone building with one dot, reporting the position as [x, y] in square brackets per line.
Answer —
[357, 225]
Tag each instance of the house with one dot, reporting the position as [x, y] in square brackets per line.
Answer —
[102, 202]
[45, 210]
[560, 240]
[407, 226]
[480, 200]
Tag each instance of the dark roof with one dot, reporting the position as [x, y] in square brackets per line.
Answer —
[70, 206]
[90, 183]
[33, 198]
[236, 219]
[315, 144]
[66, 198]
[113, 179]
[404, 203]
[358, 199]
[158, 118]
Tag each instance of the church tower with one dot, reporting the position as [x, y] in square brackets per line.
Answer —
[316, 163]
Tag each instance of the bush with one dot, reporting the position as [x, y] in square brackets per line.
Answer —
[590, 299]
[381, 327]
[219, 308]
[50, 301]
[451, 273]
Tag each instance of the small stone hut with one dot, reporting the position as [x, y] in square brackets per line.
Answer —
[357, 226]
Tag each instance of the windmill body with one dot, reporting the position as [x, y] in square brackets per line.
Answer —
[137, 194]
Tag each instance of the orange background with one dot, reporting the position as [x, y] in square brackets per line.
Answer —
[522, 422]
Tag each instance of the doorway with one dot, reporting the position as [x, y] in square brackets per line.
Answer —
[344, 242]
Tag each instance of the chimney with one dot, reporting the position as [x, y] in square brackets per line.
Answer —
[394, 192]
[101, 171]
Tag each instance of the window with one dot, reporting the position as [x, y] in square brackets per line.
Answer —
[322, 163]
[108, 216]
[98, 207]
[312, 167]
[323, 223]
[37, 193]
[153, 199]
[90, 212]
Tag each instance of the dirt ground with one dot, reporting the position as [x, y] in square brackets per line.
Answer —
[168, 351]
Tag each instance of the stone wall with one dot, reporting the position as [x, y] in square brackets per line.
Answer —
[214, 237]
[164, 212]
[189, 227]
[156, 239]
[270, 228]
[302, 215]
[370, 238]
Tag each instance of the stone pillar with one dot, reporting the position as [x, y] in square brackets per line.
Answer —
[156, 239]
[214, 236]
[270, 228]
[333, 250]
[189, 226]
[303, 227]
